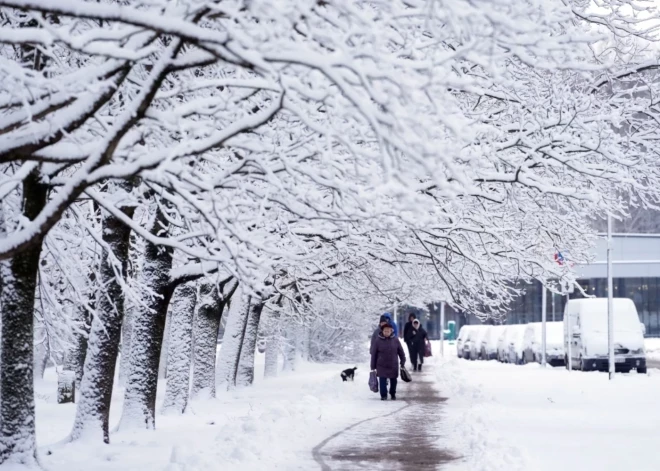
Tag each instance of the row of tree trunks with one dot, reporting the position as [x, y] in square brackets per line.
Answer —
[179, 350]
[18, 281]
[147, 334]
[93, 409]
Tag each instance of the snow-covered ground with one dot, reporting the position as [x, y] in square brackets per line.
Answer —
[272, 425]
[507, 417]
[652, 346]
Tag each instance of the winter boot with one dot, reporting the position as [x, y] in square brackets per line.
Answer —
[383, 398]
[414, 367]
[419, 368]
[393, 397]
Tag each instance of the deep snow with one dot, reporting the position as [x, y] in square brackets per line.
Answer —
[506, 417]
[272, 425]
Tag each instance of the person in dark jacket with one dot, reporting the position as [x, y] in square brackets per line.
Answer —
[384, 319]
[418, 345]
[386, 356]
[407, 332]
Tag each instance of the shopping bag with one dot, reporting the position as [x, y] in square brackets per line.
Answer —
[405, 376]
[427, 349]
[373, 382]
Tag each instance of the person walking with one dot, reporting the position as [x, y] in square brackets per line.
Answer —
[386, 356]
[418, 345]
[407, 333]
[384, 319]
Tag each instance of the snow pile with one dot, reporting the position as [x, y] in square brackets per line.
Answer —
[473, 435]
[652, 346]
[272, 425]
[535, 419]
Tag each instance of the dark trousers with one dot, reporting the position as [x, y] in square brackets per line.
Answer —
[417, 355]
[383, 386]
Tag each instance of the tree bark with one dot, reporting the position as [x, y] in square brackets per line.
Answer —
[179, 355]
[289, 346]
[93, 411]
[75, 358]
[41, 352]
[126, 334]
[147, 338]
[272, 345]
[18, 282]
[205, 339]
[232, 341]
[162, 362]
[245, 373]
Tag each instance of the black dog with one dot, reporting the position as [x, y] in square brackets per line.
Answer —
[348, 374]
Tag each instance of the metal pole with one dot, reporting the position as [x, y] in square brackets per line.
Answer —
[610, 296]
[544, 309]
[442, 329]
[569, 319]
[553, 307]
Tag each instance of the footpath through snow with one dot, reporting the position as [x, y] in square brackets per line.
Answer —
[515, 418]
[275, 424]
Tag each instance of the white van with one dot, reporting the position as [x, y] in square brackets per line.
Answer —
[588, 324]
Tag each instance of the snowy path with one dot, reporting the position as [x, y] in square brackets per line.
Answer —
[273, 425]
[403, 436]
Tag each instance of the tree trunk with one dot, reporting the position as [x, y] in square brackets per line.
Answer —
[232, 342]
[18, 281]
[205, 339]
[289, 344]
[272, 345]
[74, 359]
[93, 411]
[179, 355]
[147, 338]
[126, 334]
[245, 374]
[41, 352]
[162, 362]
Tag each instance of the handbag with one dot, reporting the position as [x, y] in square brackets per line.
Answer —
[405, 376]
[373, 382]
[427, 349]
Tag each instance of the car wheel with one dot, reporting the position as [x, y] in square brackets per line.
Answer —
[641, 370]
[583, 365]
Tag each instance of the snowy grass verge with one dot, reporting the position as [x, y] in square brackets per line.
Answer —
[506, 417]
[271, 425]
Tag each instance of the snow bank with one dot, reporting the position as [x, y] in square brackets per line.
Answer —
[272, 425]
[506, 417]
[652, 347]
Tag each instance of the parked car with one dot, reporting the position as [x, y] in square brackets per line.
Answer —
[587, 319]
[489, 342]
[475, 340]
[462, 337]
[554, 343]
[471, 340]
[503, 343]
[515, 337]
